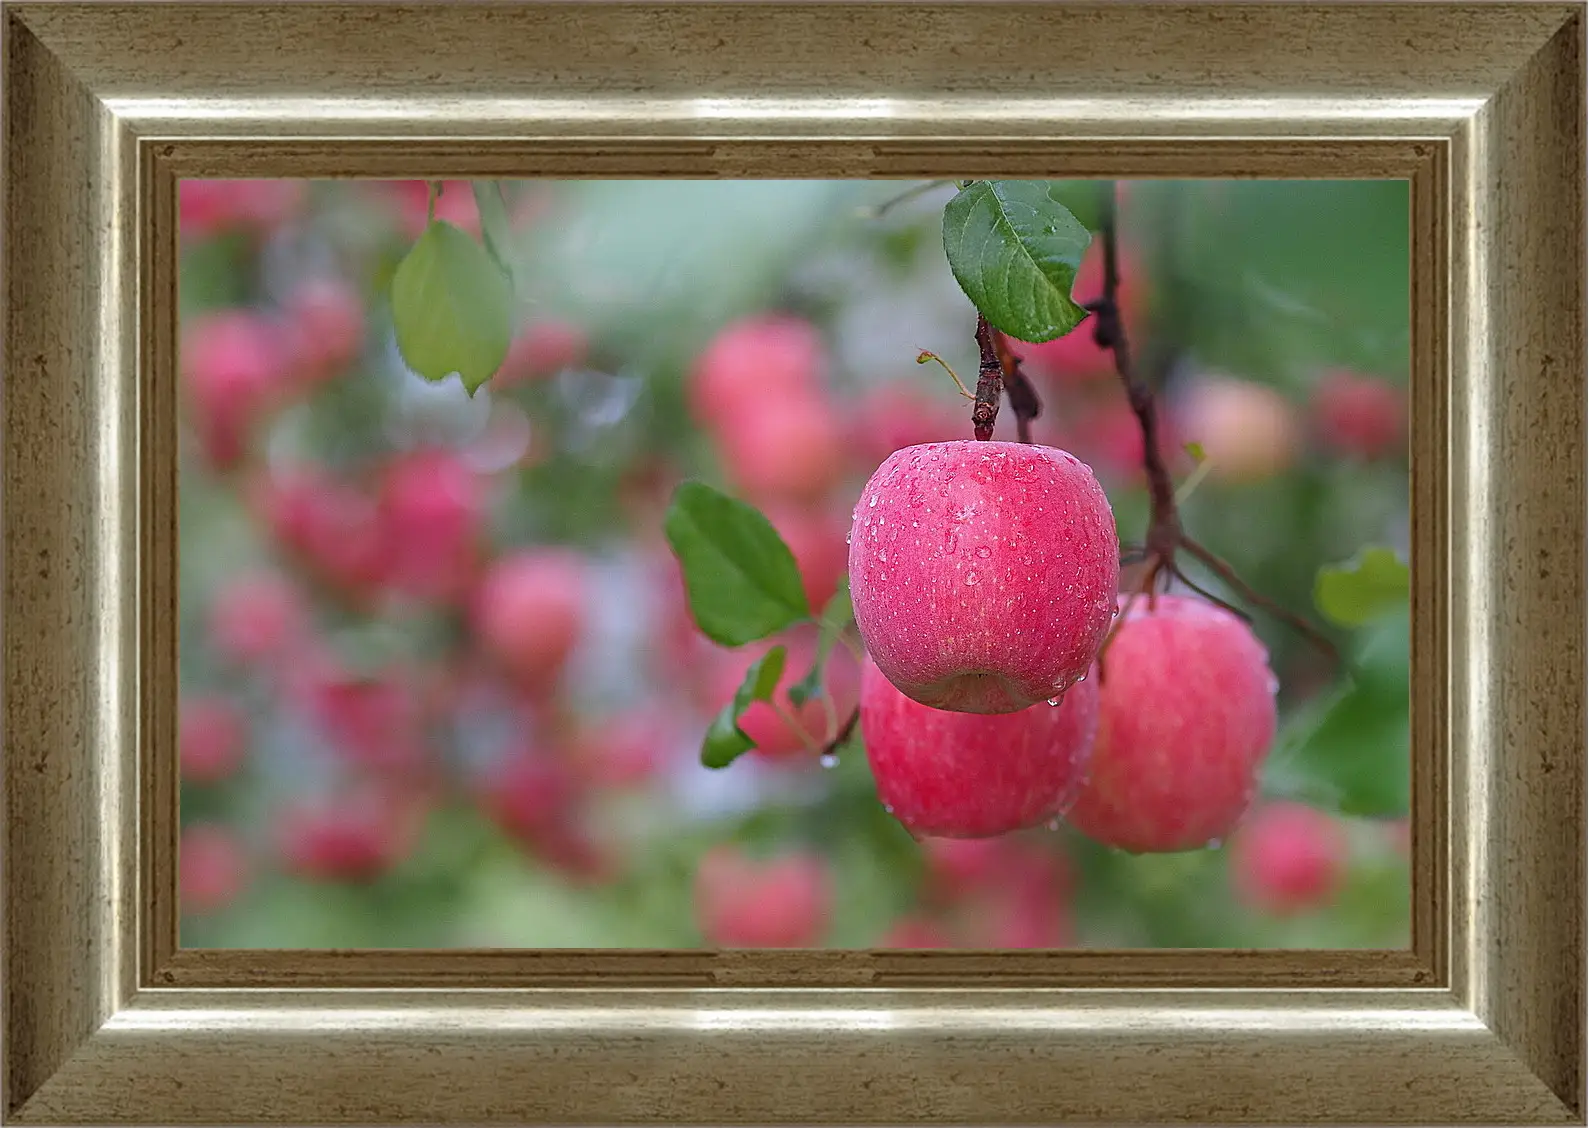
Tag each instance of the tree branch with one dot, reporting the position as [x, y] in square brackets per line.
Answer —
[1165, 535]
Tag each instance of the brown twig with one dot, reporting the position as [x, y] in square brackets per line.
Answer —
[1165, 535]
[990, 383]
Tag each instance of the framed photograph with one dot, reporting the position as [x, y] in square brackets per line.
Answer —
[827, 563]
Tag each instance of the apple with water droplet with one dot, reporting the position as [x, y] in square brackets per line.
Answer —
[966, 775]
[984, 574]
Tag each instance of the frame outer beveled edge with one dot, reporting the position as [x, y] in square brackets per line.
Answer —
[80, 1048]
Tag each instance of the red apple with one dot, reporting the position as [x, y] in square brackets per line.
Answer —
[968, 775]
[528, 612]
[211, 738]
[1186, 717]
[783, 902]
[212, 868]
[984, 574]
[1288, 858]
[1359, 415]
[956, 866]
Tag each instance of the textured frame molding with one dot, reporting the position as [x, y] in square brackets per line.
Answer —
[1480, 105]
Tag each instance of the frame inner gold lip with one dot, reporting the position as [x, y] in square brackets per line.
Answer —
[1421, 965]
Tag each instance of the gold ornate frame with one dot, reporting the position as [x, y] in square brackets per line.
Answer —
[1480, 105]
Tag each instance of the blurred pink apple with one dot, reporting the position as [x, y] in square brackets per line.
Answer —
[234, 364]
[984, 574]
[764, 358]
[326, 319]
[529, 611]
[354, 835]
[1359, 415]
[432, 512]
[211, 735]
[212, 868]
[256, 618]
[541, 349]
[1288, 858]
[742, 902]
[1247, 431]
[816, 537]
[787, 449]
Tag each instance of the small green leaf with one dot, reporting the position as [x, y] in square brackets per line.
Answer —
[1015, 249]
[452, 308]
[1367, 586]
[1350, 750]
[836, 616]
[1197, 452]
[495, 231]
[725, 741]
[742, 580]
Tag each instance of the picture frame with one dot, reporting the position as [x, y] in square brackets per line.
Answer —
[1480, 106]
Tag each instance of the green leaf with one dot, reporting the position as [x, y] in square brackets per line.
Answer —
[1367, 586]
[1015, 249]
[1350, 750]
[452, 308]
[725, 742]
[836, 616]
[742, 580]
[494, 229]
[1196, 451]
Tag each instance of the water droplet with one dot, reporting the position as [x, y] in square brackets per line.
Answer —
[829, 761]
[984, 552]
[888, 808]
[1053, 823]
[1214, 843]
[1274, 684]
[915, 524]
[882, 556]
[971, 579]
[1055, 700]
[849, 536]
[1081, 679]
[872, 504]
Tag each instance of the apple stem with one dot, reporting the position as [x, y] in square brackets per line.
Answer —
[990, 383]
[1165, 535]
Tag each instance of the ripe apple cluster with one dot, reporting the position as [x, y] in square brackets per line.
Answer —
[985, 579]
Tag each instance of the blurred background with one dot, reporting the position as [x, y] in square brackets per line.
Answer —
[439, 683]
